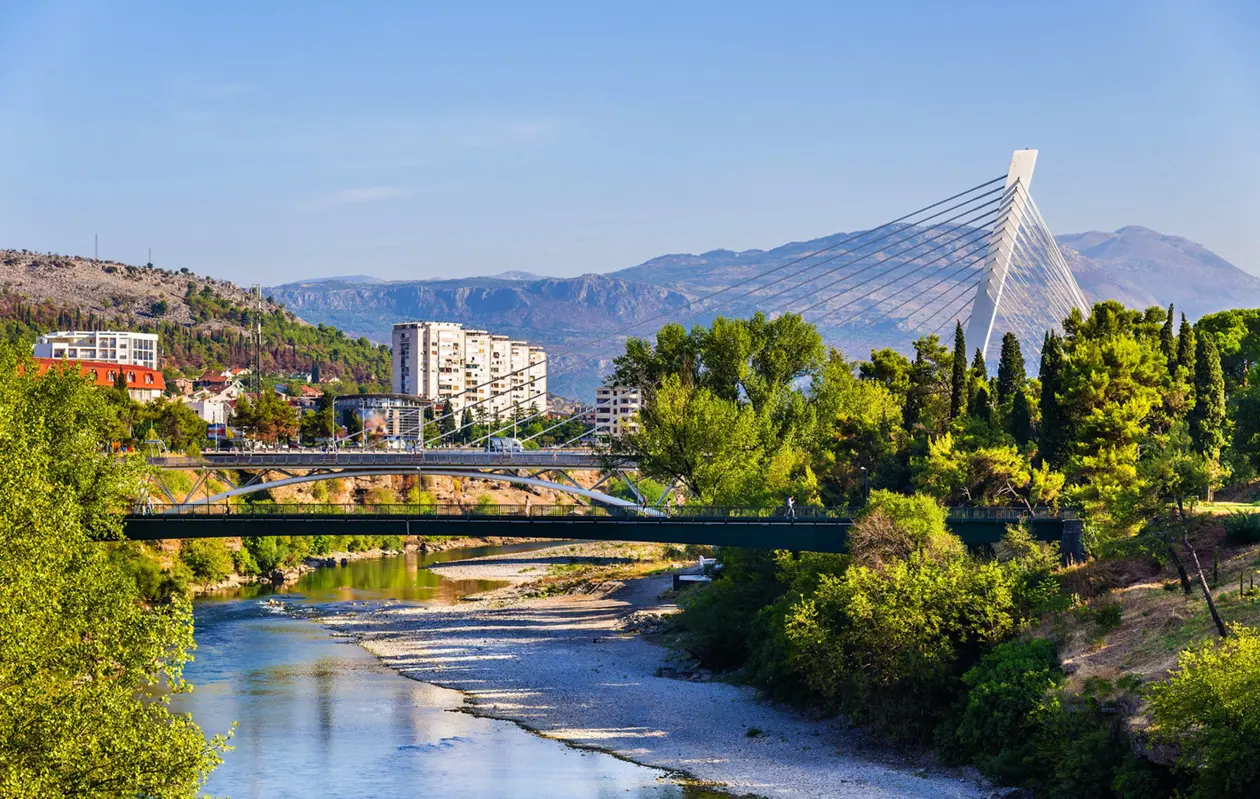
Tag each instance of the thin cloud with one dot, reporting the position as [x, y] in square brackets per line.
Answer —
[355, 196]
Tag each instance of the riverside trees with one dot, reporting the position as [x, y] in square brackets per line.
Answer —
[912, 635]
[85, 662]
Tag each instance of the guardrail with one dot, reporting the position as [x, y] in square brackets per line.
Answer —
[698, 513]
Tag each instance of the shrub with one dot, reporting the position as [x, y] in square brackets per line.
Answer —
[892, 526]
[1242, 528]
[887, 646]
[268, 552]
[208, 559]
[1209, 707]
[1005, 702]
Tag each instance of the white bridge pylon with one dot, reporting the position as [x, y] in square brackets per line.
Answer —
[1026, 285]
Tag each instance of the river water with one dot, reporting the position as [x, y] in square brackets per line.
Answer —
[320, 717]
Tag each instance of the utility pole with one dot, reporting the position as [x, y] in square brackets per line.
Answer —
[96, 246]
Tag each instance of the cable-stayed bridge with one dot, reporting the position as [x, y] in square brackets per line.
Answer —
[982, 258]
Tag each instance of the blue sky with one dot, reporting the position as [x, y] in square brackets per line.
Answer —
[270, 142]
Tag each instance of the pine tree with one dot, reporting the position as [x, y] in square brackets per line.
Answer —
[958, 387]
[1207, 417]
[1185, 346]
[1051, 439]
[1011, 375]
[446, 420]
[1167, 342]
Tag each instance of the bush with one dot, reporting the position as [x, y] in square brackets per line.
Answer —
[893, 526]
[1242, 528]
[887, 646]
[1004, 703]
[268, 552]
[208, 559]
[1209, 708]
[717, 620]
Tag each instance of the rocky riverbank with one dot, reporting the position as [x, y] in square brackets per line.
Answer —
[575, 667]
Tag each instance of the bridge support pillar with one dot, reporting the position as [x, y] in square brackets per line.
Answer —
[1072, 545]
[1002, 243]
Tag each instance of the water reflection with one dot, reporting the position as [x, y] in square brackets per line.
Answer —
[320, 717]
[402, 578]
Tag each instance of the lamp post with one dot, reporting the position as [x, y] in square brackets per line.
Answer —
[866, 486]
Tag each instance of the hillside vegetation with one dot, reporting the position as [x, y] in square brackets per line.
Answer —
[201, 322]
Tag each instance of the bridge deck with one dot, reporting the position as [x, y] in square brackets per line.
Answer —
[813, 529]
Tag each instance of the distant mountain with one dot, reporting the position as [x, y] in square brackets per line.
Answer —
[516, 274]
[557, 313]
[1135, 265]
[1141, 267]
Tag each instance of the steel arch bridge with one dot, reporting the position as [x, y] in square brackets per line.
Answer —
[267, 470]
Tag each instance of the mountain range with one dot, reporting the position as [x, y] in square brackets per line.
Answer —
[1135, 265]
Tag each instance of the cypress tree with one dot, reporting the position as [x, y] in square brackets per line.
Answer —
[1185, 346]
[958, 387]
[980, 404]
[1021, 418]
[1207, 417]
[1011, 373]
[1167, 342]
[979, 372]
[1050, 441]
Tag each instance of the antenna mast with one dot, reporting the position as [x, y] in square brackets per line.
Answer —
[256, 290]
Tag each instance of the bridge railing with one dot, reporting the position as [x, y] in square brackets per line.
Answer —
[697, 513]
[309, 459]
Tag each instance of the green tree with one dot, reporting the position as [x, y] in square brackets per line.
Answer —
[1207, 417]
[174, 421]
[1167, 341]
[81, 650]
[1185, 346]
[1053, 435]
[1206, 710]
[958, 385]
[1020, 424]
[1011, 375]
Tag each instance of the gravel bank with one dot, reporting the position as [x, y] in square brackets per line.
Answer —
[564, 667]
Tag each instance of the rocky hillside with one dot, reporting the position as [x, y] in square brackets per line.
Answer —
[200, 321]
[112, 290]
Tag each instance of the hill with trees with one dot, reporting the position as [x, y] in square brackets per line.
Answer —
[201, 322]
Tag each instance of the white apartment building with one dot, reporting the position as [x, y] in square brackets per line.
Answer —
[615, 409]
[102, 346]
[442, 361]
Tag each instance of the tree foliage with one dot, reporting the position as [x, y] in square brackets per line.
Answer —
[82, 656]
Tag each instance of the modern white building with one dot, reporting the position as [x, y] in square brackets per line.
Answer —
[615, 409]
[492, 374]
[102, 346]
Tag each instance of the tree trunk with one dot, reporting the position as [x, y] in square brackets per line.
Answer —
[1181, 570]
[1207, 592]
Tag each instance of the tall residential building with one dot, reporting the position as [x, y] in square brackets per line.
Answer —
[615, 409]
[102, 346]
[492, 374]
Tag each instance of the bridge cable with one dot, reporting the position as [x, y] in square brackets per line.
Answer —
[704, 298]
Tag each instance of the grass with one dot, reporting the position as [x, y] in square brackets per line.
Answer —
[1133, 633]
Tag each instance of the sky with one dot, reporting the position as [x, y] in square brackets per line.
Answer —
[275, 142]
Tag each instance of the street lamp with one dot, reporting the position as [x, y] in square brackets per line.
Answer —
[866, 485]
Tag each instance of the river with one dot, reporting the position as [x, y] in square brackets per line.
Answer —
[320, 717]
